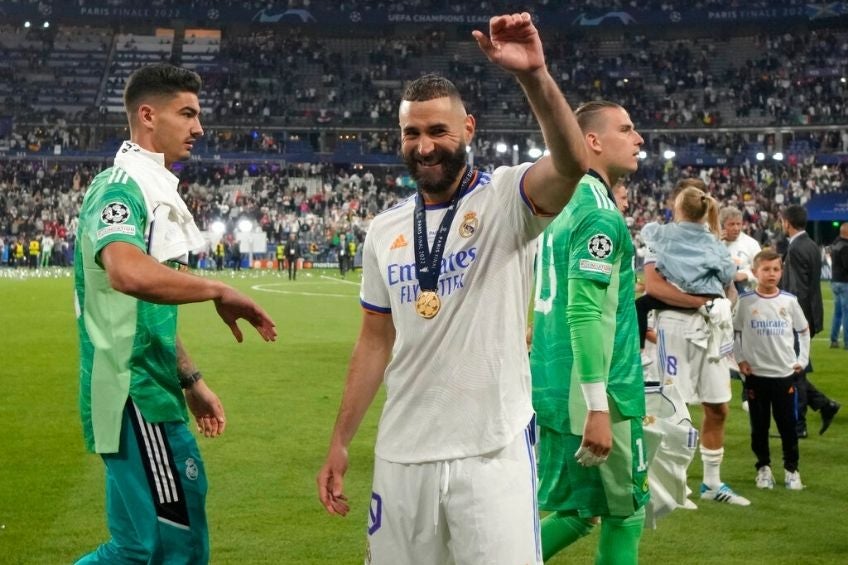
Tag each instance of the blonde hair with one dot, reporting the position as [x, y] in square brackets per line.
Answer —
[697, 206]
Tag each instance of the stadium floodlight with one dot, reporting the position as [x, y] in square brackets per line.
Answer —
[843, 80]
[27, 25]
[534, 153]
[643, 155]
[45, 25]
[245, 226]
[777, 156]
[468, 149]
[515, 147]
[218, 227]
[669, 154]
[760, 156]
[501, 147]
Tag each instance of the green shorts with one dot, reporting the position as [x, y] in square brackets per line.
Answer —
[619, 487]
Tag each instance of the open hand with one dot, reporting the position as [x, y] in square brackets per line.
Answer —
[232, 305]
[206, 408]
[513, 43]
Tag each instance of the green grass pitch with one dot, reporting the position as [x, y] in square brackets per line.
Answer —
[281, 401]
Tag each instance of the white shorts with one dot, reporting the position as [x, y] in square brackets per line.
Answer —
[470, 511]
[698, 379]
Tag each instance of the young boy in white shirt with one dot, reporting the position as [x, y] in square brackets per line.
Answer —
[766, 323]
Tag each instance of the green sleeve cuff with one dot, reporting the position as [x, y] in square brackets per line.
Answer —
[583, 313]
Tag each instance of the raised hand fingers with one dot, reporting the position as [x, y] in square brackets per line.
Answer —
[483, 41]
[501, 23]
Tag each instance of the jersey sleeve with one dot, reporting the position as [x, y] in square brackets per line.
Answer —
[583, 314]
[373, 293]
[117, 213]
[596, 245]
[509, 181]
[799, 320]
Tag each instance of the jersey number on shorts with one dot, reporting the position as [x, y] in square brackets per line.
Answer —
[671, 365]
[546, 249]
[640, 453]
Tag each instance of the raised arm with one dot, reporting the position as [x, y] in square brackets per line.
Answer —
[367, 365]
[514, 45]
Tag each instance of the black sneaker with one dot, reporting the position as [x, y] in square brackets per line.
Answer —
[828, 412]
[801, 430]
[834, 345]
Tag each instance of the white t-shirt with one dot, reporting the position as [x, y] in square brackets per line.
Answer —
[458, 384]
[765, 327]
[743, 250]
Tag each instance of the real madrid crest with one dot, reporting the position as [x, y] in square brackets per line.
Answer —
[469, 224]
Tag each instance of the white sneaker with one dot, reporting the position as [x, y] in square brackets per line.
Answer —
[765, 478]
[745, 406]
[723, 494]
[689, 505]
[792, 480]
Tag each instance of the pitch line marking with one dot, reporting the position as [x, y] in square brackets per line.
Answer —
[263, 288]
[325, 277]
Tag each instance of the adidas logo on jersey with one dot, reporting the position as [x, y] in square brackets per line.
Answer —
[399, 242]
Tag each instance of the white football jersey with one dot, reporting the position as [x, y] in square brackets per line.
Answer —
[743, 250]
[767, 327]
[458, 384]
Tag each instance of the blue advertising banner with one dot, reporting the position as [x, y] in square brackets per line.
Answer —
[828, 207]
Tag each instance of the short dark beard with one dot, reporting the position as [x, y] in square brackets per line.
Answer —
[452, 165]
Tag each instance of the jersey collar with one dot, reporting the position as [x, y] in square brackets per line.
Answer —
[599, 178]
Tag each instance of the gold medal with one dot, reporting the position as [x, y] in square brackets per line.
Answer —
[428, 304]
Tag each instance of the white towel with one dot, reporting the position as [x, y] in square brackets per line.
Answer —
[670, 441]
[713, 329]
[173, 232]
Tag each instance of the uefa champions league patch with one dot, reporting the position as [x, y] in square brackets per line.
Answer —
[115, 213]
[600, 246]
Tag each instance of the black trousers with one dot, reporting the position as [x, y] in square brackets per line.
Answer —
[808, 394]
[767, 396]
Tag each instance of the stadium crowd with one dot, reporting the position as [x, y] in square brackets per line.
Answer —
[787, 78]
[320, 202]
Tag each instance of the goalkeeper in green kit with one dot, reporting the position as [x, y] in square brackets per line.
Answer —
[587, 375]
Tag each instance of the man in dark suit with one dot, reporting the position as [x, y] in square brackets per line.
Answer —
[802, 277]
[292, 254]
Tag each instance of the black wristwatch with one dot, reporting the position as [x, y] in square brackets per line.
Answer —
[187, 381]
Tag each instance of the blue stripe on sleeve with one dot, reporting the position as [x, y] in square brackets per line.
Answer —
[375, 308]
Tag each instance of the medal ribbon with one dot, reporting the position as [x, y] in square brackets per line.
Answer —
[428, 263]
